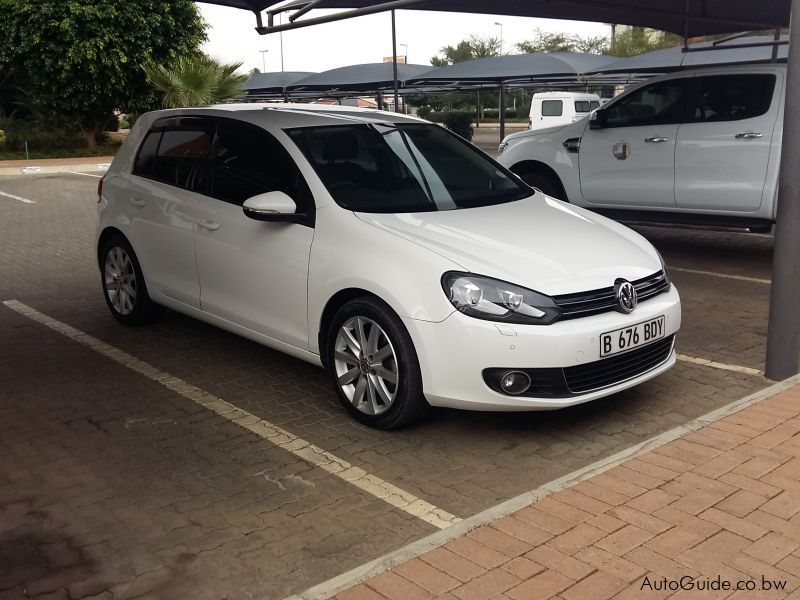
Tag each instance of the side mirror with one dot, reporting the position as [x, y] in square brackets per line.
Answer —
[597, 120]
[272, 206]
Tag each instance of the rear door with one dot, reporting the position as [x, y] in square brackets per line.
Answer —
[722, 154]
[163, 210]
[630, 162]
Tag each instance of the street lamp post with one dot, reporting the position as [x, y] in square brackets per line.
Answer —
[405, 52]
[500, 25]
[263, 60]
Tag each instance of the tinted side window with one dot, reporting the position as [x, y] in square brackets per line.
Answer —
[657, 104]
[247, 161]
[552, 108]
[145, 164]
[583, 106]
[178, 154]
[733, 97]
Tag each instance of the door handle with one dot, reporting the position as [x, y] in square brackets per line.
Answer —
[136, 201]
[206, 224]
[656, 140]
[749, 135]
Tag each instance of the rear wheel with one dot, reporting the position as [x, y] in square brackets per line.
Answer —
[544, 182]
[374, 366]
[123, 284]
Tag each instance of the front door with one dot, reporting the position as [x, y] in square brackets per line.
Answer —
[630, 162]
[723, 152]
[253, 273]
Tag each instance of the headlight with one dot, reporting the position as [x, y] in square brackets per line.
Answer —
[501, 148]
[495, 300]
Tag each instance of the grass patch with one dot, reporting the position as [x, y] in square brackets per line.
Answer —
[108, 148]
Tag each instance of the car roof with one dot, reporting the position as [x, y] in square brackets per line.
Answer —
[284, 115]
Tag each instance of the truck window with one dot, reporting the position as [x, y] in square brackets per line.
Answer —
[584, 106]
[733, 97]
[552, 108]
[660, 103]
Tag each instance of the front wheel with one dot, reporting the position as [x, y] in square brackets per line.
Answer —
[123, 284]
[374, 366]
[544, 183]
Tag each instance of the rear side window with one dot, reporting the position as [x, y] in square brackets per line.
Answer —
[733, 97]
[145, 164]
[552, 108]
[584, 106]
[171, 154]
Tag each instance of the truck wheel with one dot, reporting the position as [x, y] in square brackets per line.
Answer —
[545, 183]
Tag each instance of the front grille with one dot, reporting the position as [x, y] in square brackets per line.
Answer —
[595, 302]
[614, 370]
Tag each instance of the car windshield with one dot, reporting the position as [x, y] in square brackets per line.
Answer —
[388, 168]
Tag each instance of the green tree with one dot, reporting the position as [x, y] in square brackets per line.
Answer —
[81, 58]
[469, 49]
[196, 80]
[638, 40]
[546, 41]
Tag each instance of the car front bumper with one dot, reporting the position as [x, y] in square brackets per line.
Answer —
[454, 353]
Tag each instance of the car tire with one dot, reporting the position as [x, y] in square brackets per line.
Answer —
[545, 183]
[123, 284]
[381, 386]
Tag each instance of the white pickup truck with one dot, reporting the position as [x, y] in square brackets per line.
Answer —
[700, 146]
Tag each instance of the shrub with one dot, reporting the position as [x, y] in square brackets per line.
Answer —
[491, 113]
[460, 122]
[2, 138]
[39, 137]
[113, 123]
[423, 112]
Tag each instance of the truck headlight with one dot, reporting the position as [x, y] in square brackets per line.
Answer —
[494, 300]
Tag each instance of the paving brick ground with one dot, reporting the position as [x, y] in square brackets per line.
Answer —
[721, 504]
[109, 482]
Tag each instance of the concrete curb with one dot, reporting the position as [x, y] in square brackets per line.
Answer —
[38, 170]
[330, 588]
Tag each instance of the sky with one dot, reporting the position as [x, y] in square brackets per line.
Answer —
[232, 37]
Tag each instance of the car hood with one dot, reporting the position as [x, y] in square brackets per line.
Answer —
[539, 242]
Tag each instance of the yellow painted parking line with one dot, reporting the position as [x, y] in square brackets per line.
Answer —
[20, 198]
[724, 275]
[717, 365]
[355, 476]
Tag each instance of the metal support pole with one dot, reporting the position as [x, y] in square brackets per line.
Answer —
[777, 38]
[394, 62]
[783, 336]
[502, 111]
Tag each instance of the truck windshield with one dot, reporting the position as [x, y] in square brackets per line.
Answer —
[388, 168]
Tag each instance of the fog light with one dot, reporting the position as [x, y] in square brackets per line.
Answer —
[515, 382]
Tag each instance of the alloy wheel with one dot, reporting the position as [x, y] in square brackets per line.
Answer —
[120, 280]
[366, 365]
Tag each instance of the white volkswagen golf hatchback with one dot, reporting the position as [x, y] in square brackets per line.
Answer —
[413, 267]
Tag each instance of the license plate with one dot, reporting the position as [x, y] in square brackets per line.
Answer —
[628, 338]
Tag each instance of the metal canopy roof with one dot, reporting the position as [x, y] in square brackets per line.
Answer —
[517, 67]
[274, 82]
[363, 78]
[690, 17]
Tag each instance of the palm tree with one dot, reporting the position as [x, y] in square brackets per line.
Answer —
[196, 80]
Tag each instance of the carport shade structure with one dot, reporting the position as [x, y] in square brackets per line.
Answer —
[273, 84]
[370, 77]
[688, 18]
[513, 68]
[704, 54]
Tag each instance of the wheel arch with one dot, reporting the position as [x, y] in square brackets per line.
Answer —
[539, 168]
[103, 238]
[333, 304]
